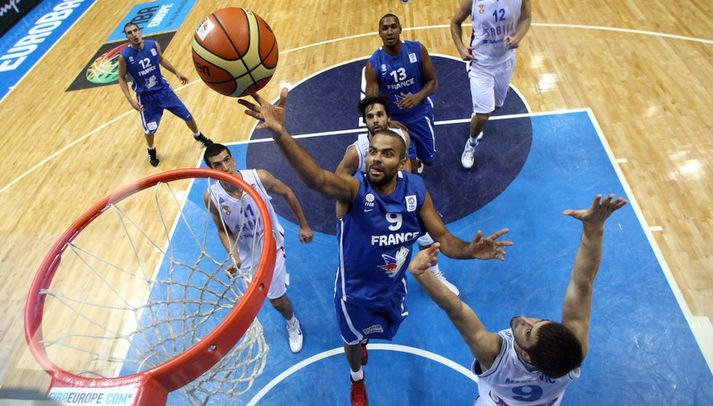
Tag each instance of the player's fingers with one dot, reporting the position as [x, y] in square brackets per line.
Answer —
[596, 201]
[283, 97]
[254, 114]
[248, 104]
[499, 233]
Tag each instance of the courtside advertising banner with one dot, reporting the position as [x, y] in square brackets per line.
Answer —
[23, 45]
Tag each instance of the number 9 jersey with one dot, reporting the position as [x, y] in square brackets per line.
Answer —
[511, 382]
[375, 239]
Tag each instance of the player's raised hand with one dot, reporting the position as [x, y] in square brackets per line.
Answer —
[272, 117]
[599, 211]
[424, 259]
[490, 247]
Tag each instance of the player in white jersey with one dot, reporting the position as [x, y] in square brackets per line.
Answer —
[376, 114]
[498, 28]
[533, 361]
[240, 227]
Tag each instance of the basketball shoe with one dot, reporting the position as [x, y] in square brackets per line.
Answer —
[468, 157]
[358, 392]
[202, 138]
[441, 277]
[294, 332]
[153, 160]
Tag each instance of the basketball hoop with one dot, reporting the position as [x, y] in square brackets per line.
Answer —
[211, 293]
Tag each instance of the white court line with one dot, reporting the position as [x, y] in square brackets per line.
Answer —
[336, 351]
[443, 122]
[592, 27]
[698, 329]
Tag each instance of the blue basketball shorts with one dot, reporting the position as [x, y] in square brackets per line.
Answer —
[155, 102]
[423, 140]
[358, 323]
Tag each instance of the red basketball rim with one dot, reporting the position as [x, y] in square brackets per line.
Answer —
[154, 384]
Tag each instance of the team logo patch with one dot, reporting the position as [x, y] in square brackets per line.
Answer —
[226, 210]
[131, 59]
[376, 328]
[383, 68]
[392, 264]
[412, 58]
[152, 126]
[411, 203]
[481, 8]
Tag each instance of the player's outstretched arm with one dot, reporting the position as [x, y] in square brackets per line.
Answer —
[457, 30]
[484, 345]
[340, 187]
[578, 300]
[274, 185]
[480, 247]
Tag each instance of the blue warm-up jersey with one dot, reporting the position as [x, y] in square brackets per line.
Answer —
[375, 240]
[143, 66]
[402, 74]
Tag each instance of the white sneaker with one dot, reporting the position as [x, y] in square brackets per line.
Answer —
[294, 332]
[468, 157]
[441, 277]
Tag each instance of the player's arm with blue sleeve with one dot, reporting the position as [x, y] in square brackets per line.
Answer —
[484, 345]
[482, 248]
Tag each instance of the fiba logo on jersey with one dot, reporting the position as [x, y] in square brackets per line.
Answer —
[411, 203]
[369, 202]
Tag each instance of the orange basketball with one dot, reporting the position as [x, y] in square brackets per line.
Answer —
[235, 52]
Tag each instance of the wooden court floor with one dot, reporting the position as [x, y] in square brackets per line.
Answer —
[641, 66]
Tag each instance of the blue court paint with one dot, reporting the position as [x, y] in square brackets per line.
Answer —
[636, 321]
[500, 157]
[31, 38]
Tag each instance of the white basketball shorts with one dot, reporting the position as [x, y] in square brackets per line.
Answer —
[489, 85]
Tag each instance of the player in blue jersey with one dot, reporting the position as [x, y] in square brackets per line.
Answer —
[533, 361]
[498, 28]
[381, 213]
[142, 61]
[403, 70]
[376, 114]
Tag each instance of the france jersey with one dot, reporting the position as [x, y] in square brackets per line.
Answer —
[144, 68]
[509, 381]
[375, 239]
[493, 20]
[402, 74]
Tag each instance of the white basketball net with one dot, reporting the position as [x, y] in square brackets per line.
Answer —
[112, 312]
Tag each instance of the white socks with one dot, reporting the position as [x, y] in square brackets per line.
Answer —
[358, 375]
[475, 140]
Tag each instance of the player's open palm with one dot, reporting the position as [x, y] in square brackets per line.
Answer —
[599, 211]
[490, 247]
[273, 117]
